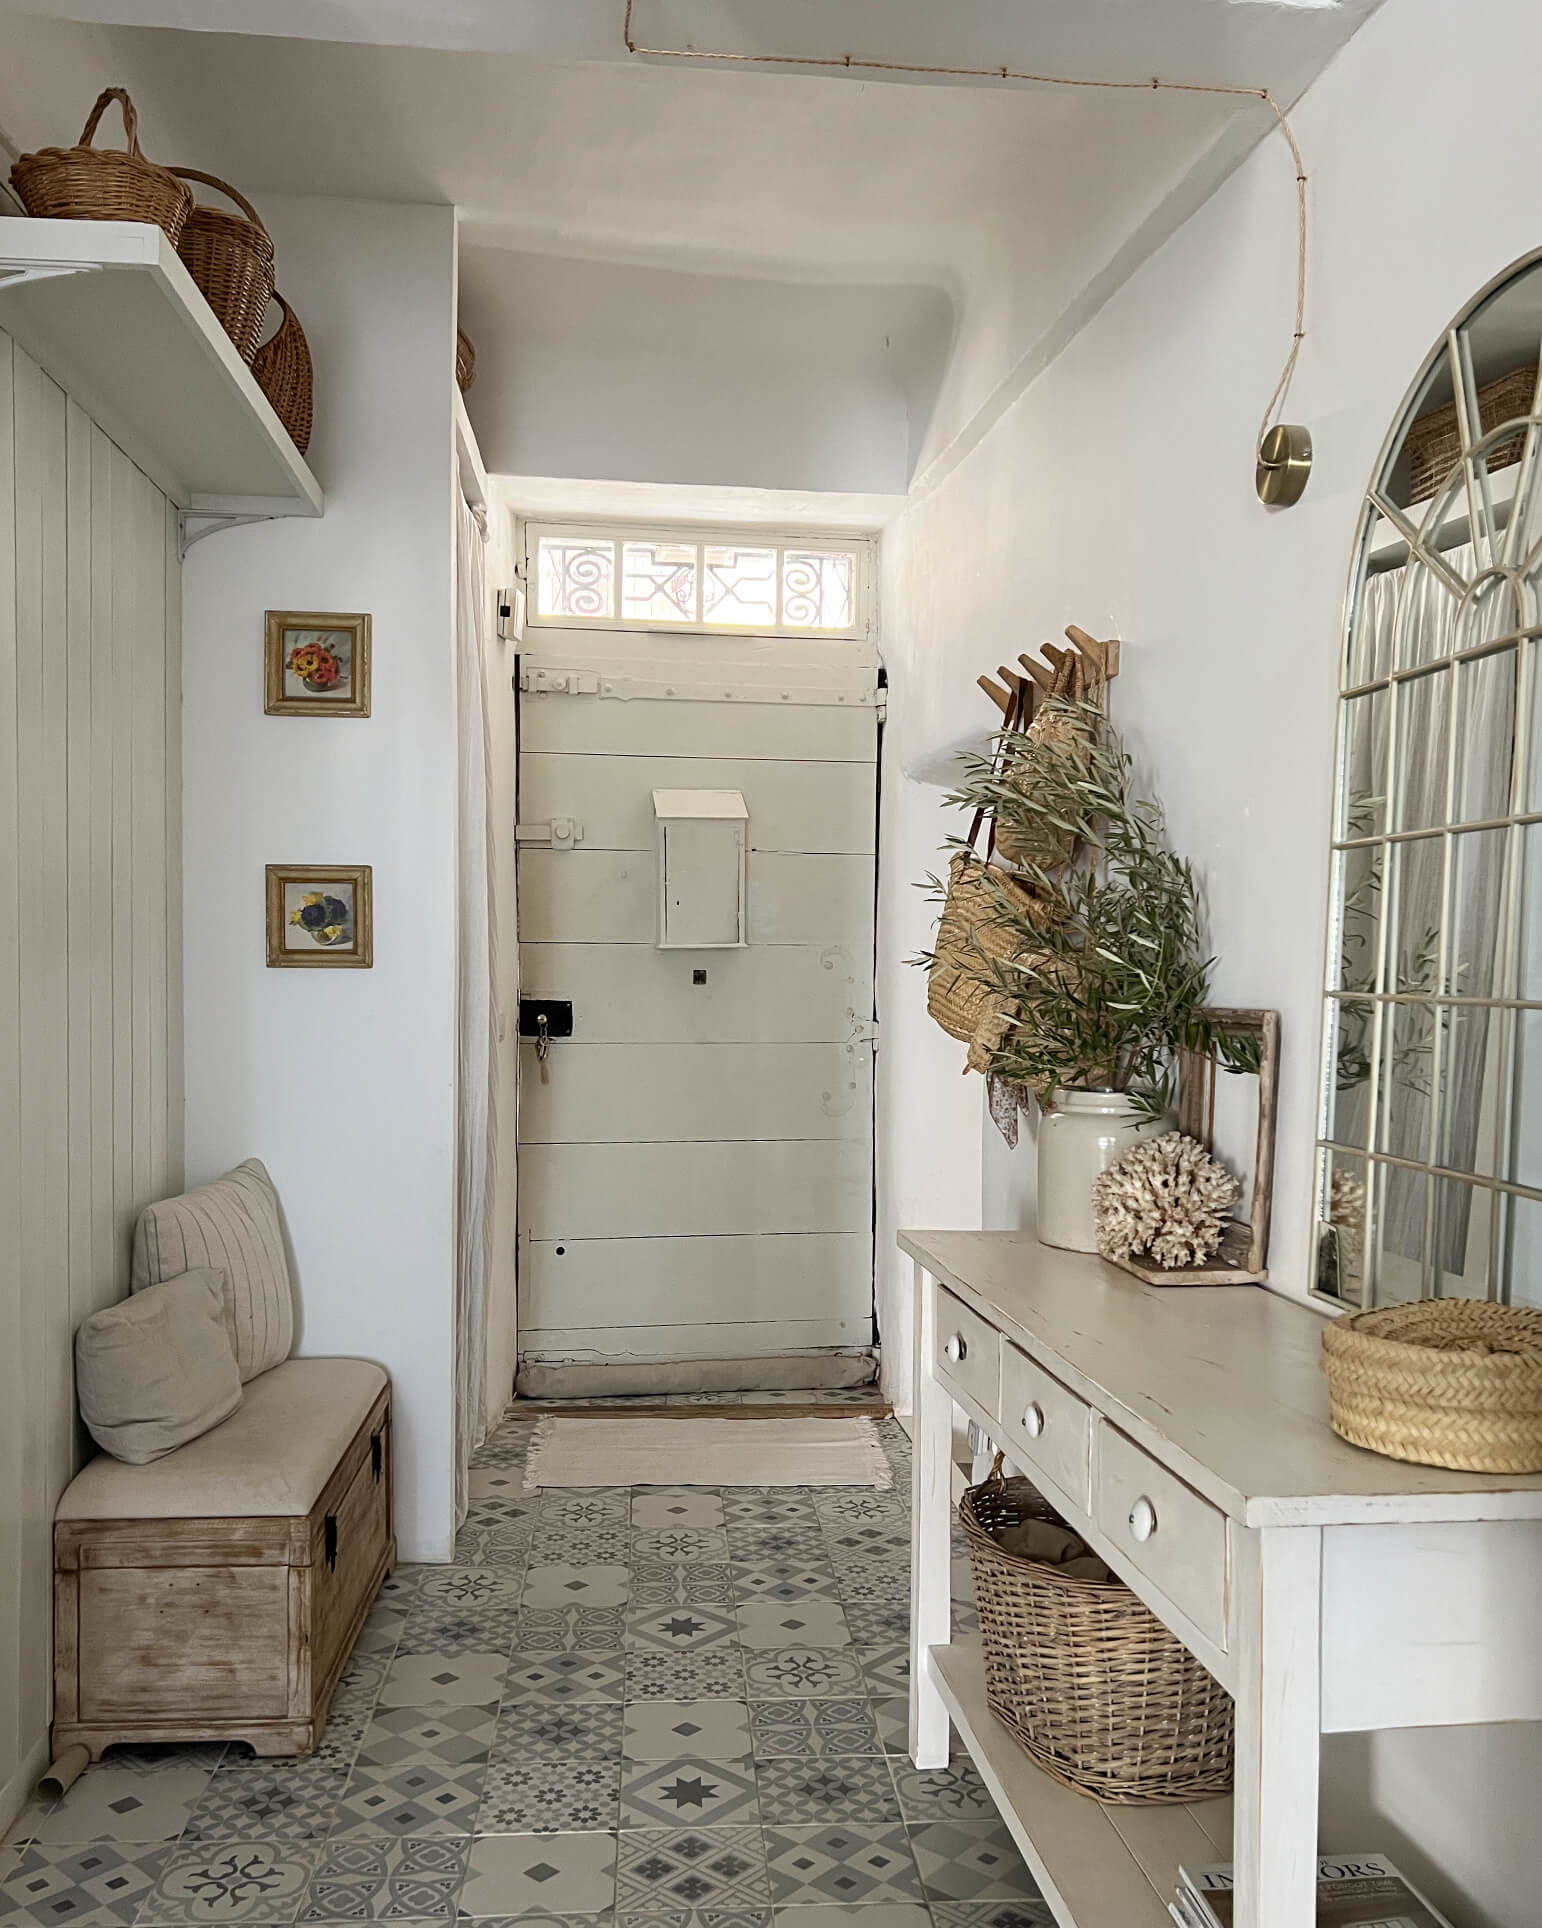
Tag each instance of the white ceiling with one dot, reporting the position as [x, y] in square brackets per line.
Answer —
[1016, 207]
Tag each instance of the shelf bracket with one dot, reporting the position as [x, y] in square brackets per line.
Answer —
[211, 523]
[15, 274]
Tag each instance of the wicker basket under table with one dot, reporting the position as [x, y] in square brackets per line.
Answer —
[1089, 1682]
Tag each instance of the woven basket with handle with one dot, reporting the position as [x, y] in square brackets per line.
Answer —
[230, 256]
[1087, 1679]
[465, 361]
[1441, 1382]
[972, 936]
[282, 368]
[1434, 441]
[87, 183]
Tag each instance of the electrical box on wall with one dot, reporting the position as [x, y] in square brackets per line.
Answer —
[700, 837]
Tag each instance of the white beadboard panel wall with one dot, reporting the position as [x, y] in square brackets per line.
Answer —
[90, 957]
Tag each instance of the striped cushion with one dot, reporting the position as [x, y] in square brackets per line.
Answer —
[231, 1225]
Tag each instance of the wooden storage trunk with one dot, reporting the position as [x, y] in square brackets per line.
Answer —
[227, 1624]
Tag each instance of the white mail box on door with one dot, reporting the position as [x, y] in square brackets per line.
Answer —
[700, 838]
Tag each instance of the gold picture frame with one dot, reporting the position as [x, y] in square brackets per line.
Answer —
[320, 917]
[331, 677]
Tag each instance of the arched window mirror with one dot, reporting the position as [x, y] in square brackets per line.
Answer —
[1430, 1133]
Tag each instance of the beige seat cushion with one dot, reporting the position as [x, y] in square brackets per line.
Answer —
[159, 1369]
[233, 1226]
[271, 1457]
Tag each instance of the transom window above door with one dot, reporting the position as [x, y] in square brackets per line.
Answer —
[745, 582]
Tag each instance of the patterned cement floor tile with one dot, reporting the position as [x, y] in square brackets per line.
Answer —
[658, 1583]
[886, 1670]
[540, 1876]
[662, 1506]
[506, 1508]
[992, 1914]
[456, 1736]
[799, 1543]
[564, 1678]
[837, 1863]
[235, 1881]
[434, 1627]
[876, 1624]
[804, 1729]
[868, 1540]
[586, 1506]
[507, 1547]
[564, 1584]
[954, 1793]
[99, 1885]
[680, 1629]
[381, 1878]
[530, 1797]
[892, 1712]
[767, 1624]
[555, 1545]
[487, 1482]
[848, 1788]
[119, 1803]
[680, 1545]
[268, 1801]
[661, 1730]
[882, 1914]
[701, 1793]
[440, 1679]
[803, 1673]
[769, 1506]
[423, 1797]
[850, 1506]
[570, 1630]
[660, 1871]
[537, 1731]
[873, 1582]
[707, 1675]
[696, 1918]
[782, 1584]
[970, 1861]
[469, 1587]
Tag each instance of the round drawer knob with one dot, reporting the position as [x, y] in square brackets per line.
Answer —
[1143, 1519]
[956, 1348]
[1033, 1420]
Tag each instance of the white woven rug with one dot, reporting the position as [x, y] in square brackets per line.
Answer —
[706, 1452]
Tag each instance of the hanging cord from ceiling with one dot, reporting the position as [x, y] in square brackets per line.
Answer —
[856, 62]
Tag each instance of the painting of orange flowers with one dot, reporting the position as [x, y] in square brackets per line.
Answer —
[320, 915]
[316, 665]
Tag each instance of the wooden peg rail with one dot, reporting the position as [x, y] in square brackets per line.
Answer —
[1081, 672]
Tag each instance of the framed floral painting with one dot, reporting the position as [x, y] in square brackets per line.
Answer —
[316, 665]
[320, 915]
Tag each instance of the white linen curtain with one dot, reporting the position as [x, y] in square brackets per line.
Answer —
[476, 963]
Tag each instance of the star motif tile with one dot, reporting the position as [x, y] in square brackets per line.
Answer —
[566, 1677]
[658, 1794]
[680, 1628]
[570, 1630]
[525, 1877]
[661, 1730]
[677, 1506]
[423, 1798]
[705, 1675]
[803, 1673]
[381, 1878]
[666, 1870]
[539, 1731]
[268, 1801]
[970, 1861]
[808, 1728]
[561, 1583]
[797, 1792]
[802, 1623]
[838, 1863]
[680, 1545]
[528, 1797]
[235, 1881]
[100, 1884]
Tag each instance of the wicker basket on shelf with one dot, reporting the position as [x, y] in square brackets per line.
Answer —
[1087, 1680]
[1434, 441]
[465, 361]
[1442, 1382]
[87, 183]
[282, 368]
[230, 256]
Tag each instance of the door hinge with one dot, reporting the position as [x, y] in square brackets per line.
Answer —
[865, 1031]
[537, 681]
[560, 834]
[329, 1535]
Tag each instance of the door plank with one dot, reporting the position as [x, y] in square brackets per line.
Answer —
[605, 726]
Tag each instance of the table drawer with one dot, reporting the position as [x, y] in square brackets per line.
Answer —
[1163, 1528]
[1045, 1427]
[968, 1351]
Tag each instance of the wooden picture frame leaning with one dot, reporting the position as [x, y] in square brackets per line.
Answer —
[334, 677]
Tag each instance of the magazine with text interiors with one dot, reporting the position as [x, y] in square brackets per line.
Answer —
[1353, 1891]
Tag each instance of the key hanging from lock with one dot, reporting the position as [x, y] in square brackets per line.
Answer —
[543, 1046]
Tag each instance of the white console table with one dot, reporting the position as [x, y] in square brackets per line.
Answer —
[1328, 1589]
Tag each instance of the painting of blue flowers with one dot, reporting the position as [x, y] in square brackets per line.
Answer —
[320, 915]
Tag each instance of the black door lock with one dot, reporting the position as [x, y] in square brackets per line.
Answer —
[557, 1011]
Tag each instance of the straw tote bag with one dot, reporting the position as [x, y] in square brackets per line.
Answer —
[1042, 843]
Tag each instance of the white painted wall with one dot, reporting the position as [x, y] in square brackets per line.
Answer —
[1117, 493]
[90, 960]
[343, 1082]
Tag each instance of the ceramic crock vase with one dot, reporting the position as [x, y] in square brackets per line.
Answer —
[1082, 1133]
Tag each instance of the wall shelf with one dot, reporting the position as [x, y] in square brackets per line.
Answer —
[108, 309]
[1098, 1866]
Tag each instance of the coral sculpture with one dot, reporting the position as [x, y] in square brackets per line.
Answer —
[1166, 1197]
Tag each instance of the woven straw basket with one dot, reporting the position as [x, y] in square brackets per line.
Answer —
[1039, 841]
[87, 183]
[972, 935]
[1088, 1681]
[282, 368]
[465, 361]
[230, 256]
[1442, 1382]
[1434, 441]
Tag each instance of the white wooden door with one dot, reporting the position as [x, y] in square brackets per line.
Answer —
[696, 1174]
